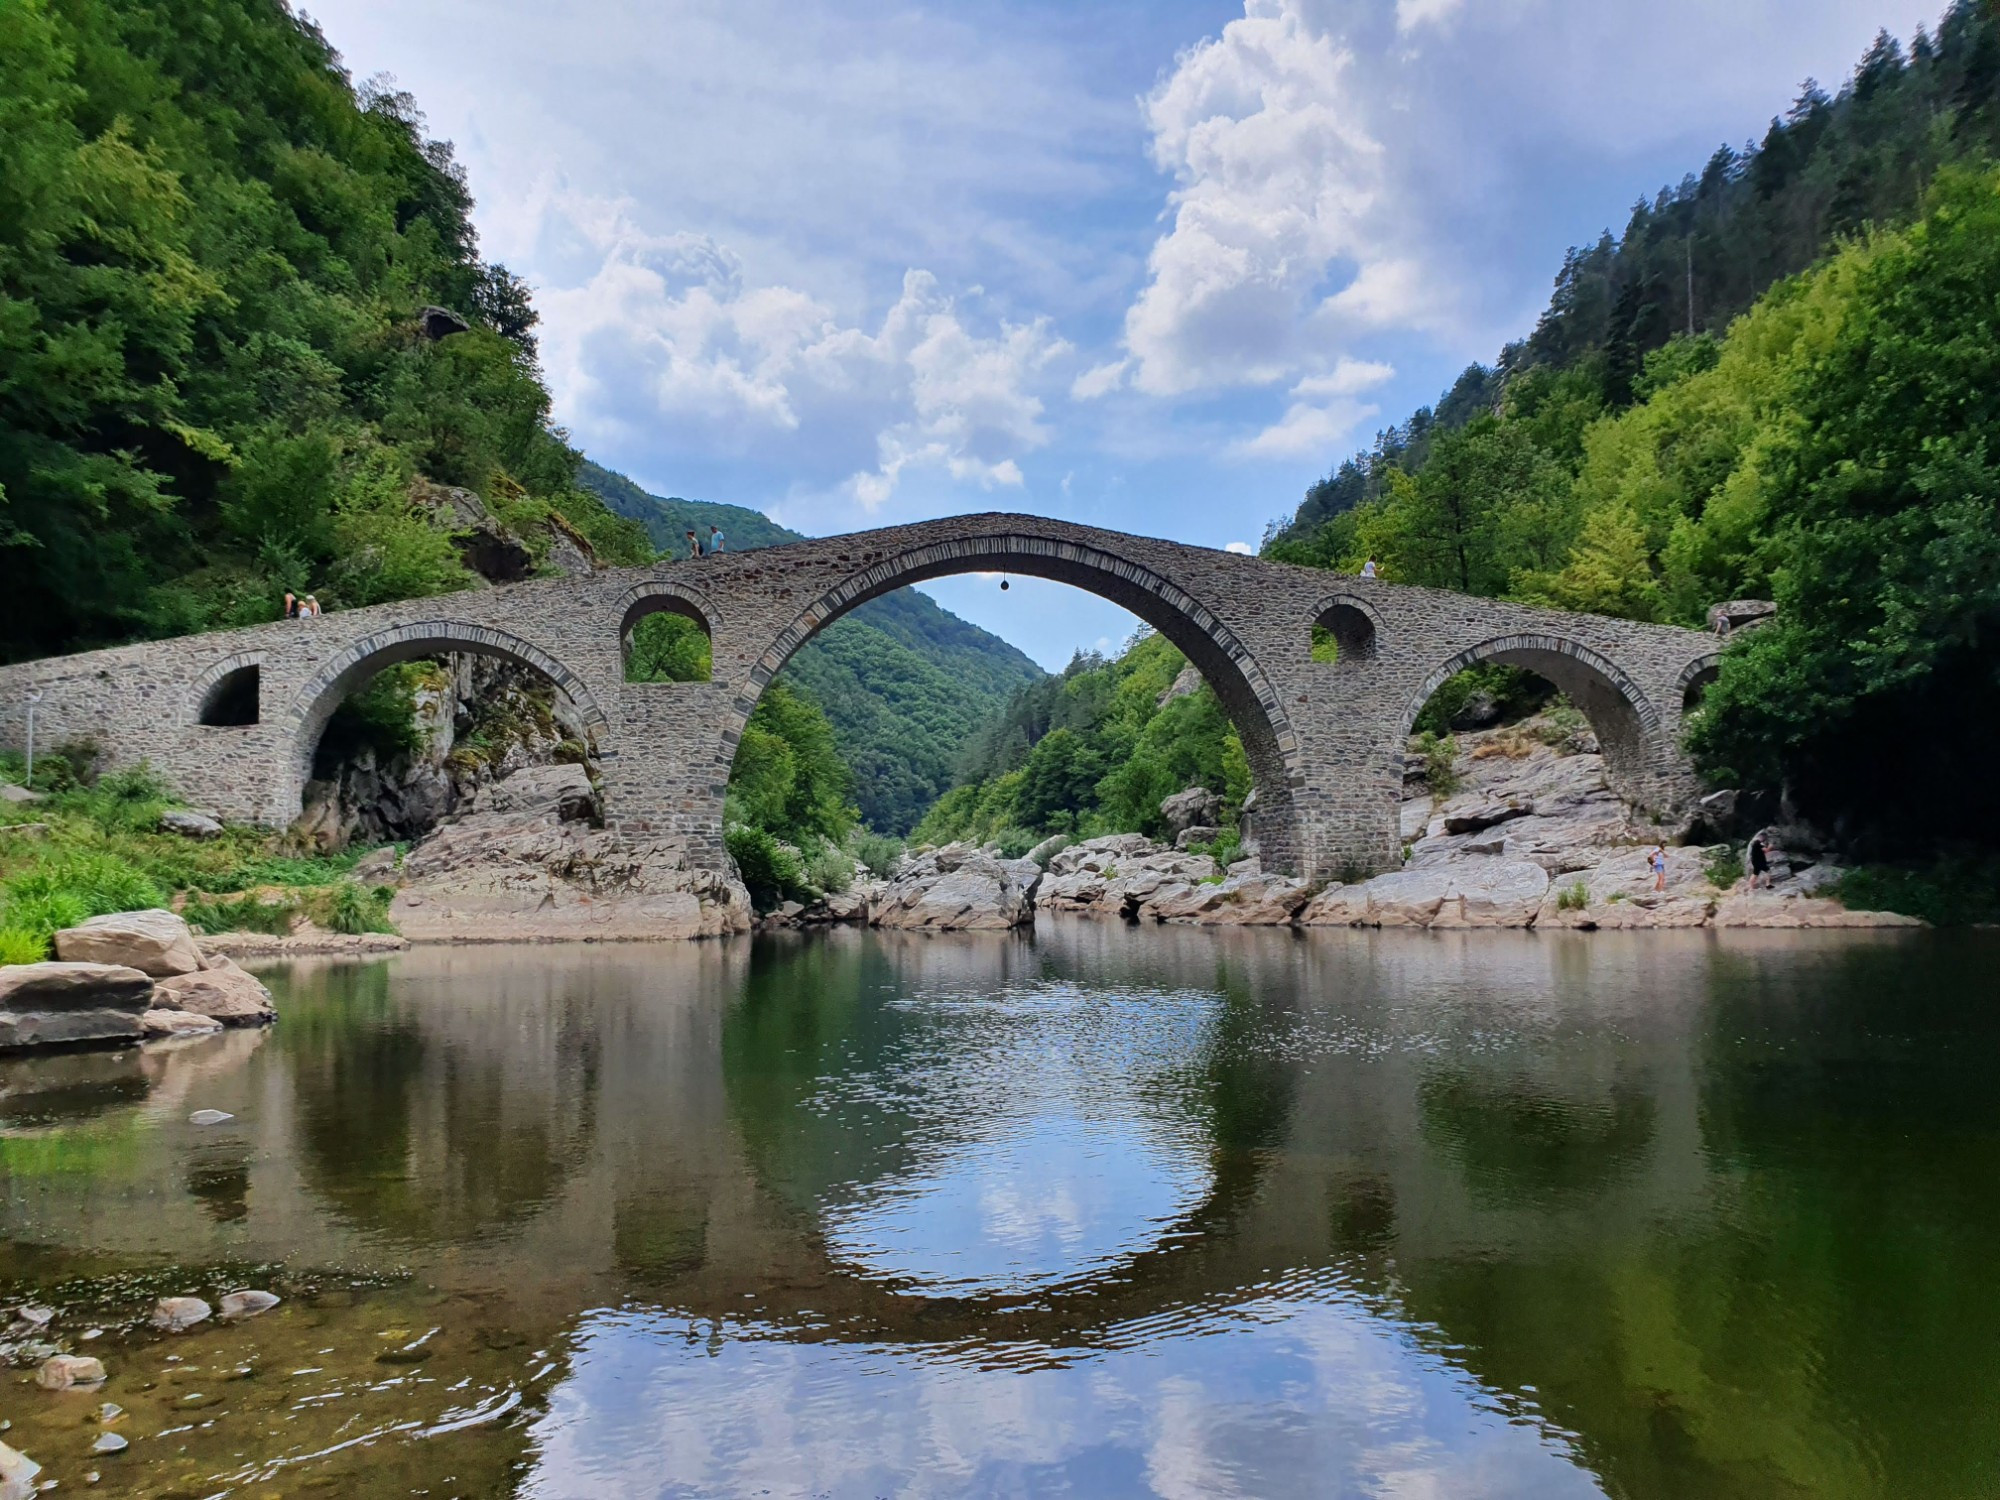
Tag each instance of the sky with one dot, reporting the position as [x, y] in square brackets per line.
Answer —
[1153, 265]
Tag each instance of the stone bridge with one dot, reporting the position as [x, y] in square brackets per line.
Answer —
[232, 719]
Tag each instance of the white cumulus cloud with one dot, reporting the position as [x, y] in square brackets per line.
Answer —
[1324, 410]
[664, 335]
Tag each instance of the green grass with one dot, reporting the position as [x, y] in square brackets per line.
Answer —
[1723, 865]
[21, 946]
[245, 914]
[1575, 898]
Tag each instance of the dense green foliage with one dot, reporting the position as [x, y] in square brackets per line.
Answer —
[1093, 751]
[93, 846]
[905, 683]
[1826, 169]
[213, 383]
[1832, 449]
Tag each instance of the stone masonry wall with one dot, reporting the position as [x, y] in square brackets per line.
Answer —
[1325, 740]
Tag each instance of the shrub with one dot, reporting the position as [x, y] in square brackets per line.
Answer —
[1440, 753]
[20, 946]
[877, 853]
[63, 891]
[770, 871]
[1575, 898]
[245, 914]
[828, 868]
[356, 909]
[1723, 865]
[1225, 848]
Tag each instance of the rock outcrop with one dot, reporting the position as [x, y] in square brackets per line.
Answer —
[958, 889]
[154, 942]
[221, 992]
[1195, 807]
[52, 1004]
[524, 862]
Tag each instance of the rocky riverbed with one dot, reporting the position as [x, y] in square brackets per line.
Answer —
[1527, 833]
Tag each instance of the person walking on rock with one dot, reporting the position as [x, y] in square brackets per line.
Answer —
[1760, 862]
[1658, 860]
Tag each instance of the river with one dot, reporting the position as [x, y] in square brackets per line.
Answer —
[1100, 1211]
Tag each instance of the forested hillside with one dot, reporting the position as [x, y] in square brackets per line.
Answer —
[218, 380]
[1827, 436]
[1695, 256]
[905, 682]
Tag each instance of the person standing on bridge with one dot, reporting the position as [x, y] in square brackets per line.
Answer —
[694, 544]
[1368, 568]
[291, 605]
[715, 539]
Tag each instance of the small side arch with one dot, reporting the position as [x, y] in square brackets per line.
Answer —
[227, 693]
[305, 717]
[664, 597]
[1695, 679]
[1353, 622]
[1626, 722]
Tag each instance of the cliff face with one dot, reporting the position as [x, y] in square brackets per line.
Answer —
[477, 719]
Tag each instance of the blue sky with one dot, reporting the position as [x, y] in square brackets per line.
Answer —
[1148, 266]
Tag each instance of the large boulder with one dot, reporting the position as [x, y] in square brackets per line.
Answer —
[190, 823]
[49, 1004]
[959, 888]
[221, 992]
[1197, 806]
[1493, 893]
[153, 942]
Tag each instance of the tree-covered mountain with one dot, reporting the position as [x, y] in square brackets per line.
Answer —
[243, 323]
[1695, 256]
[1827, 437]
[905, 682]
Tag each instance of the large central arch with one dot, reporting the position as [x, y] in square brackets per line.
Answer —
[1246, 694]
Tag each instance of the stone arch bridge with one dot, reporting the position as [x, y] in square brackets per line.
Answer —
[232, 719]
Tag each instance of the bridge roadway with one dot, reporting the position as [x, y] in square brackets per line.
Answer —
[231, 719]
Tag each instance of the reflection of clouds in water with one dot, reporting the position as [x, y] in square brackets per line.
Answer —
[1304, 1393]
[1051, 1156]
[1048, 1200]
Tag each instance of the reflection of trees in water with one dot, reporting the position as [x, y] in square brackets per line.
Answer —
[433, 1131]
[1519, 1144]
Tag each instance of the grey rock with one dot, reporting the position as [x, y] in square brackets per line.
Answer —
[17, 1474]
[1187, 681]
[959, 888]
[1740, 614]
[154, 942]
[441, 323]
[110, 1442]
[157, 1022]
[179, 1314]
[249, 1303]
[64, 1372]
[222, 992]
[19, 794]
[49, 1004]
[1048, 849]
[210, 1117]
[1199, 834]
[191, 824]
[1196, 805]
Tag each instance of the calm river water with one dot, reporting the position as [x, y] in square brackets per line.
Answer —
[1097, 1212]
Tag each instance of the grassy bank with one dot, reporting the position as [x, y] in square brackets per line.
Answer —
[93, 845]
